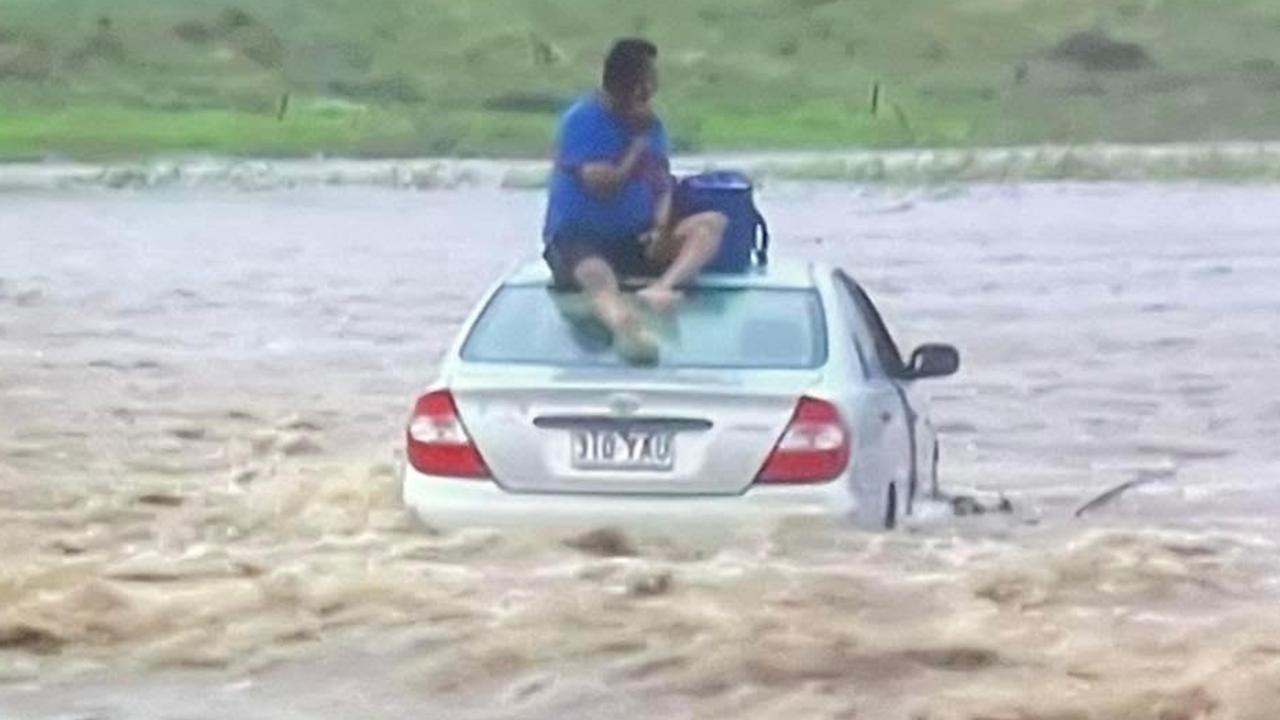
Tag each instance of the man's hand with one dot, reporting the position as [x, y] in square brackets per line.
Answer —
[604, 178]
[651, 237]
[635, 151]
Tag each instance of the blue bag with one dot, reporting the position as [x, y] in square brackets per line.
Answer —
[730, 193]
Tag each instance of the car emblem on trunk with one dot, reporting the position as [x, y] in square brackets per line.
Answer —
[624, 404]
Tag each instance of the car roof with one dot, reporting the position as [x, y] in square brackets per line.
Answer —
[777, 274]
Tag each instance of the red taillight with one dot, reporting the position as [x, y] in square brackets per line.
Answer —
[814, 448]
[438, 443]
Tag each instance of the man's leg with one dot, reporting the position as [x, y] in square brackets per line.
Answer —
[631, 338]
[683, 252]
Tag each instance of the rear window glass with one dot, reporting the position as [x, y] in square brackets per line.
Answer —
[744, 328]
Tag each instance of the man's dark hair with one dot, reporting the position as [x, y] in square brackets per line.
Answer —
[626, 64]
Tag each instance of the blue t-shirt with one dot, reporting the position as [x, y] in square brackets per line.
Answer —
[589, 132]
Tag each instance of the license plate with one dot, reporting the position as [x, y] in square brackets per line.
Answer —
[622, 449]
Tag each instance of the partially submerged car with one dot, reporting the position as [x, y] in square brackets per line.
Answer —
[778, 391]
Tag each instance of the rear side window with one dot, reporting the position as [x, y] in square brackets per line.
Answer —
[885, 348]
[743, 328]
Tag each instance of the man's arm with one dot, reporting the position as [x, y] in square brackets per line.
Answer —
[661, 218]
[604, 178]
[662, 212]
[666, 186]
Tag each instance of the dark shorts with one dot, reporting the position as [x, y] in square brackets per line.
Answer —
[625, 257]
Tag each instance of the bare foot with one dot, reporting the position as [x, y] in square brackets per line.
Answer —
[637, 344]
[659, 298]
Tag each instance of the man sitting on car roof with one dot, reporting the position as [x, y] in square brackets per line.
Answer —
[609, 209]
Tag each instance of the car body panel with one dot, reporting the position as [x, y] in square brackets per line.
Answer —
[448, 503]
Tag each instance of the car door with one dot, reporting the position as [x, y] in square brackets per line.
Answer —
[918, 441]
[884, 438]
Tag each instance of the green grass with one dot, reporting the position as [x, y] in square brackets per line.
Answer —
[484, 77]
[96, 132]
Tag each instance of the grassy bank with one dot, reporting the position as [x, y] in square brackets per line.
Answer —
[121, 78]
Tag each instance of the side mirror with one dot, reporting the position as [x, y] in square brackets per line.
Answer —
[932, 360]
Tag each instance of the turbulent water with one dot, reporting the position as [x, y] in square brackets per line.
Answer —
[201, 396]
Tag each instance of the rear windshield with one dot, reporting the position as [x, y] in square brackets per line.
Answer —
[742, 328]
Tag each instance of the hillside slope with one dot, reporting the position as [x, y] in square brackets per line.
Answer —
[95, 78]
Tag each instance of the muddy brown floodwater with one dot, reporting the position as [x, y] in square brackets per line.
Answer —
[201, 395]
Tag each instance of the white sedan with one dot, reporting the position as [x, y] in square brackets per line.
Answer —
[777, 392]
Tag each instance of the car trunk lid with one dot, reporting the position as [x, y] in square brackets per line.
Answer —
[671, 432]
